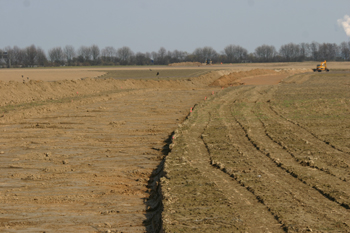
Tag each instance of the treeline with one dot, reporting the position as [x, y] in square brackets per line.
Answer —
[33, 56]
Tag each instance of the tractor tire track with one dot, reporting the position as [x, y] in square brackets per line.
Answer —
[238, 203]
[268, 168]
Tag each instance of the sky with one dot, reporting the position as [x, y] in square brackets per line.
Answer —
[147, 25]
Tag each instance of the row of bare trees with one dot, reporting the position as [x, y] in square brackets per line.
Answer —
[92, 55]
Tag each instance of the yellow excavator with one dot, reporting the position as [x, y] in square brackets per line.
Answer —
[321, 67]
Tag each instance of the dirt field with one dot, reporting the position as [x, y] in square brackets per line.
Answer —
[87, 155]
[74, 73]
[266, 158]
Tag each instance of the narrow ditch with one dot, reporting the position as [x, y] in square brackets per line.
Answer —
[154, 204]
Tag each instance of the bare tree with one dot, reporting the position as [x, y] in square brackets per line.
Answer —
[125, 55]
[304, 51]
[178, 56]
[41, 58]
[290, 52]
[141, 59]
[109, 54]
[19, 56]
[161, 58]
[2, 61]
[85, 53]
[175, 56]
[345, 50]
[198, 55]
[265, 53]
[31, 54]
[209, 53]
[10, 56]
[235, 53]
[314, 50]
[95, 52]
[56, 55]
[328, 51]
[148, 56]
[154, 57]
[204, 54]
[68, 53]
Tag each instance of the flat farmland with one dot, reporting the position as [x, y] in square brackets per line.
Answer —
[265, 149]
[263, 158]
[73, 73]
[62, 73]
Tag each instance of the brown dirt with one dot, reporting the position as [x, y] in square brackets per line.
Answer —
[79, 155]
[235, 78]
[46, 74]
[85, 166]
[266, 158]
[86, 156]
[186, 64]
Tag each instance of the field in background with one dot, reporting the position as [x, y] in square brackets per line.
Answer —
[73, 73]
[154, 73]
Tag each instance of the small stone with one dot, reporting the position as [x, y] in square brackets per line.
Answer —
[65, 162]
[2, 152]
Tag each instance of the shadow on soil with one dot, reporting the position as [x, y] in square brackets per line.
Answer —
[154, 205]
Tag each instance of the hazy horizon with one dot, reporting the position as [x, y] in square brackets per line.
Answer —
[145, 26]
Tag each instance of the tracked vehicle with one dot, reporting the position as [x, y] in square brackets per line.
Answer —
[321, 67]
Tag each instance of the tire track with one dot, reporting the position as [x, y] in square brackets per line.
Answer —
[332, 93]
[265, 167]
[245, 211]
[327, 143]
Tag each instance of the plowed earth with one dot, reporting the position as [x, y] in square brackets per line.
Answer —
[266, 158]
[87, 155]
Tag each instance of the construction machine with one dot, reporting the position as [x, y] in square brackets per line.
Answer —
[321, 67]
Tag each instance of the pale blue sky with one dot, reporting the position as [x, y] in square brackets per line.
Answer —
[145, 26]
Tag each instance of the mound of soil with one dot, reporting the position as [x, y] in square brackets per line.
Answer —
[14, 93]
[233, 79]
[186, 64]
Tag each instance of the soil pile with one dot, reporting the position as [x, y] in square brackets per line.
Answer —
[47, 74]
[186, 64]
[233, 79]
[14, 93]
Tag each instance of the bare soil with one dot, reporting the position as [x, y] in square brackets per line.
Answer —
[87, 154]
[263, 158]
[79, 155]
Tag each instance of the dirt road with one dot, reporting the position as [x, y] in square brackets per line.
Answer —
[263, 159]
